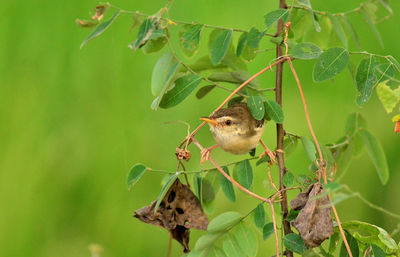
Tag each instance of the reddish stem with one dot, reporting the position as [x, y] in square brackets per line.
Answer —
[271, 205]
[228, 177]
[321, 159]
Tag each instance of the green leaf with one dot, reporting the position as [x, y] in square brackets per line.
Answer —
[216, 252]
[256, 106]
[333, 242]
[204, 63]
[213, 177]
[338, 198]
[309, 147]
[224, 222]
[371, 234]
[376, 251]
[190, 40]
[242, 75]
[358, 144]
[147, 31]
[101, 28]
[274, 111]
[268, 230]
[231, 246]
[290, 145]
[389, 98]
[135, 174]
[315, 22]
[243, 49]
[294, 243]
[245, 173]
[377, 155]
[207, 192]
[232, 61]
[345, 158]
[246, 239]
[202, 92]
[354, 123]
[394, 62]
[223, 76]
[263, 160]
[384, 71]
[330, 64]
[207, 241]
[197, 181]
[154, 45]
[306, 51]
[163, 73]
[227, 186]
[353, 247]
[370, 22]
[165, 189]
[220, 46]
[365, 79]
[259, 215]
[241, 44]
[337, 27]
[328, 156]
[351, 30]
[288, 179]
[323, 38]
[183, 87]
[254, 37]
[275, 16]
[234, 100]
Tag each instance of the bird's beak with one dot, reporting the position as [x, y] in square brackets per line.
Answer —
[208, 120]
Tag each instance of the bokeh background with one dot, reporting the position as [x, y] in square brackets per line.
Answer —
[74, 121]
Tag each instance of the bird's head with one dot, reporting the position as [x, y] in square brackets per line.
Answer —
[236, 119]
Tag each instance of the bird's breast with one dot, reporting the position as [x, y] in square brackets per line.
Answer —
[237, 143]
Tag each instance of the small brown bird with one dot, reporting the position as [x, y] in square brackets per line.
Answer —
[235, 130]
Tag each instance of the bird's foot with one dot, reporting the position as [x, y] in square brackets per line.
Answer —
[205, 153]
[270, 154]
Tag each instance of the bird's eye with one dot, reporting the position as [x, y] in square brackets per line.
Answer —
[228, 122]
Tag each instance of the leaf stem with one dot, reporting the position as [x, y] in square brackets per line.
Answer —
[185, 22]
[371, 205]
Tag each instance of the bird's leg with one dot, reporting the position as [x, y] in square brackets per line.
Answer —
[268, 152]
[205, 153]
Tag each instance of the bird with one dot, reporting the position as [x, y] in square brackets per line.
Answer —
[235, 131]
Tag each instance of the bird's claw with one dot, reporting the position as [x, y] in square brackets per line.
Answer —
[270, 154]
[205, 155]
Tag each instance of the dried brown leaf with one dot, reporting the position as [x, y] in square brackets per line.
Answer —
[314, 221]
[179, 211]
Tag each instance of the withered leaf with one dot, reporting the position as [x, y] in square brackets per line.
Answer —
[314, 221]
[179, 211]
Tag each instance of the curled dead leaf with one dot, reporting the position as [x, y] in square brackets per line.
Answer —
[179, 211]
[183, 154]
[314, 221]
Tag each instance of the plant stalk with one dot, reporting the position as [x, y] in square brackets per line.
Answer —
[280, 133]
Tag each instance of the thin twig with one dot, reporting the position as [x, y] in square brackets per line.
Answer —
[228, 177]
[371, 205]
[320, 156]
[271, 205]
[307, 114]
[185, 22]
[169, 245]
[321, 162]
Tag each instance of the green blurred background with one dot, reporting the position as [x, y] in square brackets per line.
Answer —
[74, 121]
